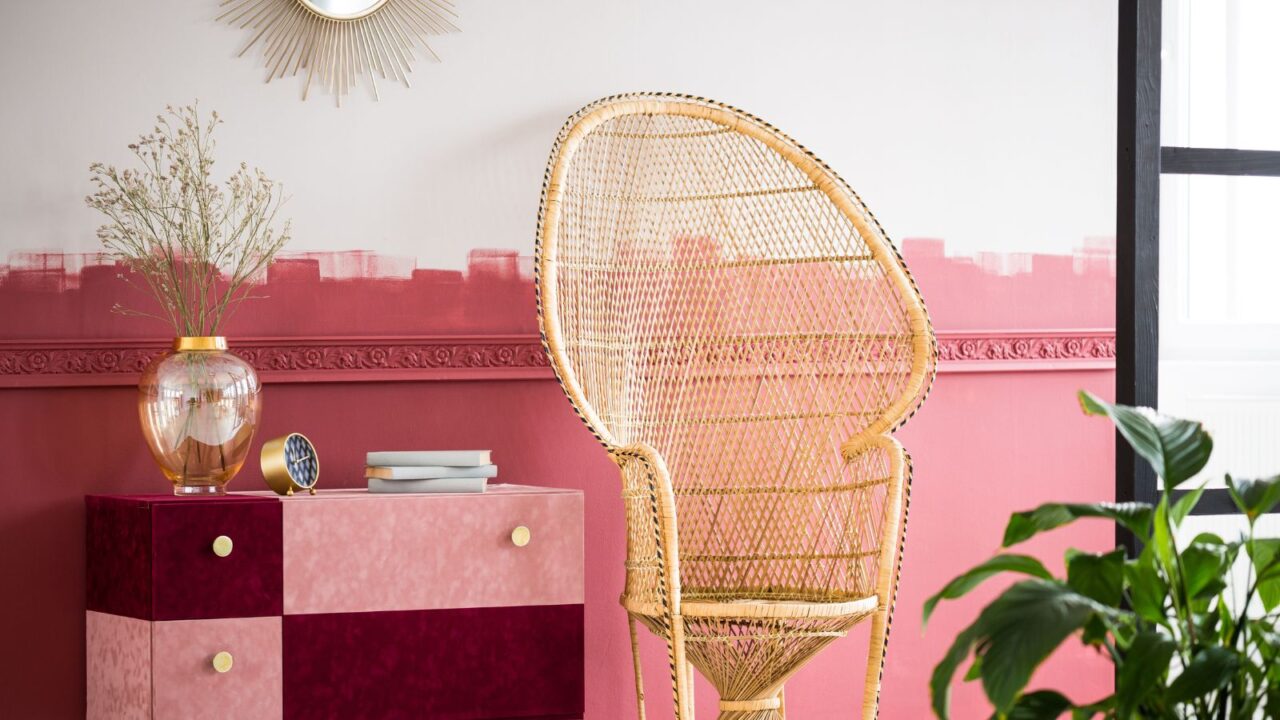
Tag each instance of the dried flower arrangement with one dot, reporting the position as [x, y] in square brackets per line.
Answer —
[195, 244]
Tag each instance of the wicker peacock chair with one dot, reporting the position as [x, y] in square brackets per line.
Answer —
[733, 325]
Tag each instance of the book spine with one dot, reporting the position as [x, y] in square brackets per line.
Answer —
[437, 485]
[427, 472]
[436, 458]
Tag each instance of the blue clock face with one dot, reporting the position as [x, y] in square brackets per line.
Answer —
[301, 461]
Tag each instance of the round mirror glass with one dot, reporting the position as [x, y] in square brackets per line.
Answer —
[343, 9]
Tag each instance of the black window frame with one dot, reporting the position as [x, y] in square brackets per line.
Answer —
[1140, 161]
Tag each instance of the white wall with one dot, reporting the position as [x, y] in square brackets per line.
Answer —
[986, 122]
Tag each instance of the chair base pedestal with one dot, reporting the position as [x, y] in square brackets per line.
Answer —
[764, 709]
[750, 715]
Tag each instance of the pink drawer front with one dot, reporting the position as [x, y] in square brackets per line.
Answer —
[185, 684]
[356, 552]
[142, 670]
[117, 667]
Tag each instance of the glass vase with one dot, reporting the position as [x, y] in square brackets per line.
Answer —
[199, 407]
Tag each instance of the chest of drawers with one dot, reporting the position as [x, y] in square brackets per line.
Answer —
[339, 605]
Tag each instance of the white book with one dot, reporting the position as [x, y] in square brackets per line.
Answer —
[446, 458]
[428, 472]
[433, 485]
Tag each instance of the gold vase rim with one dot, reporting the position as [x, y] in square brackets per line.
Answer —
[199, 343]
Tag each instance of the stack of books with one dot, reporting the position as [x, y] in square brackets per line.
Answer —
[429, 471]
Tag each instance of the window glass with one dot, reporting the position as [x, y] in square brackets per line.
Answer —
[1220, 239]
[1224, 239]
[1220, 66]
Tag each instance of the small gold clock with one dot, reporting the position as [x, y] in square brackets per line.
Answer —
[290, 463]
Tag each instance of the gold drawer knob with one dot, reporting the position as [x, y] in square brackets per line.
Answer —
[223, 661]
[520, 536]
[222, 547]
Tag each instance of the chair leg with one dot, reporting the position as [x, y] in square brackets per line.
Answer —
[875, 664]
[887, 590]
[680, 679]
[635, 657]
[690, 680]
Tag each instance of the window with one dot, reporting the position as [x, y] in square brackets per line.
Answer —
[1198, 303]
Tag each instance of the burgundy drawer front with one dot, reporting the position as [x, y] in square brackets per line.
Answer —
[191, 582]
[118, 556]
[465, 664]
[152, 557]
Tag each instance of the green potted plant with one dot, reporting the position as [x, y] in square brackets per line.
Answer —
[1186, 640]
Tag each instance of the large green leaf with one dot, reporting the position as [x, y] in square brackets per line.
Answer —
[1272, 711]
[1269, 645]
[1097, 576]
[1147, 589]
[1013, 635]
[1209, 625]
[1027, 524]
[1205, 589]
[1177, 449]
[1145, 664]
[1254, 497]
[1208, 538]
[1223, 627]
[1162, 540]
[1267, 641]
[1019, 629]
[1095, 632]
[940, 681]
[975, 670]
[1039, 705]
[1086, 712]
[1187, 503]
[1265, 554]
[1203, 563]
[962, 584]
[1210, 669]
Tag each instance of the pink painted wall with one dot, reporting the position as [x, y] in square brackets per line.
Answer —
[986, 444]
[58, 295]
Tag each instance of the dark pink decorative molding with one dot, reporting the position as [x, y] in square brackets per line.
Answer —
[66, 363]
[49, 363]
[1002, 351]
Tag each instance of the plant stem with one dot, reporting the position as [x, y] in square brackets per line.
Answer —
[179, 231]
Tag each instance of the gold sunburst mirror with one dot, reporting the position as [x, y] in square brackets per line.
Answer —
[333, 43]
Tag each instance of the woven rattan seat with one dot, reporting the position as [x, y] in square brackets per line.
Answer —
[733, 325]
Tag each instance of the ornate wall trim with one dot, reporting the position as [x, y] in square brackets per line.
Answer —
[1006, 351]
[319, 359]
[82, 363]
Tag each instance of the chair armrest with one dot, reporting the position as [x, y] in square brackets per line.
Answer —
[893, 521]
[646, 480]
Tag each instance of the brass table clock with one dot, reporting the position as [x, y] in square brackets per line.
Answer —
[290, 463]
